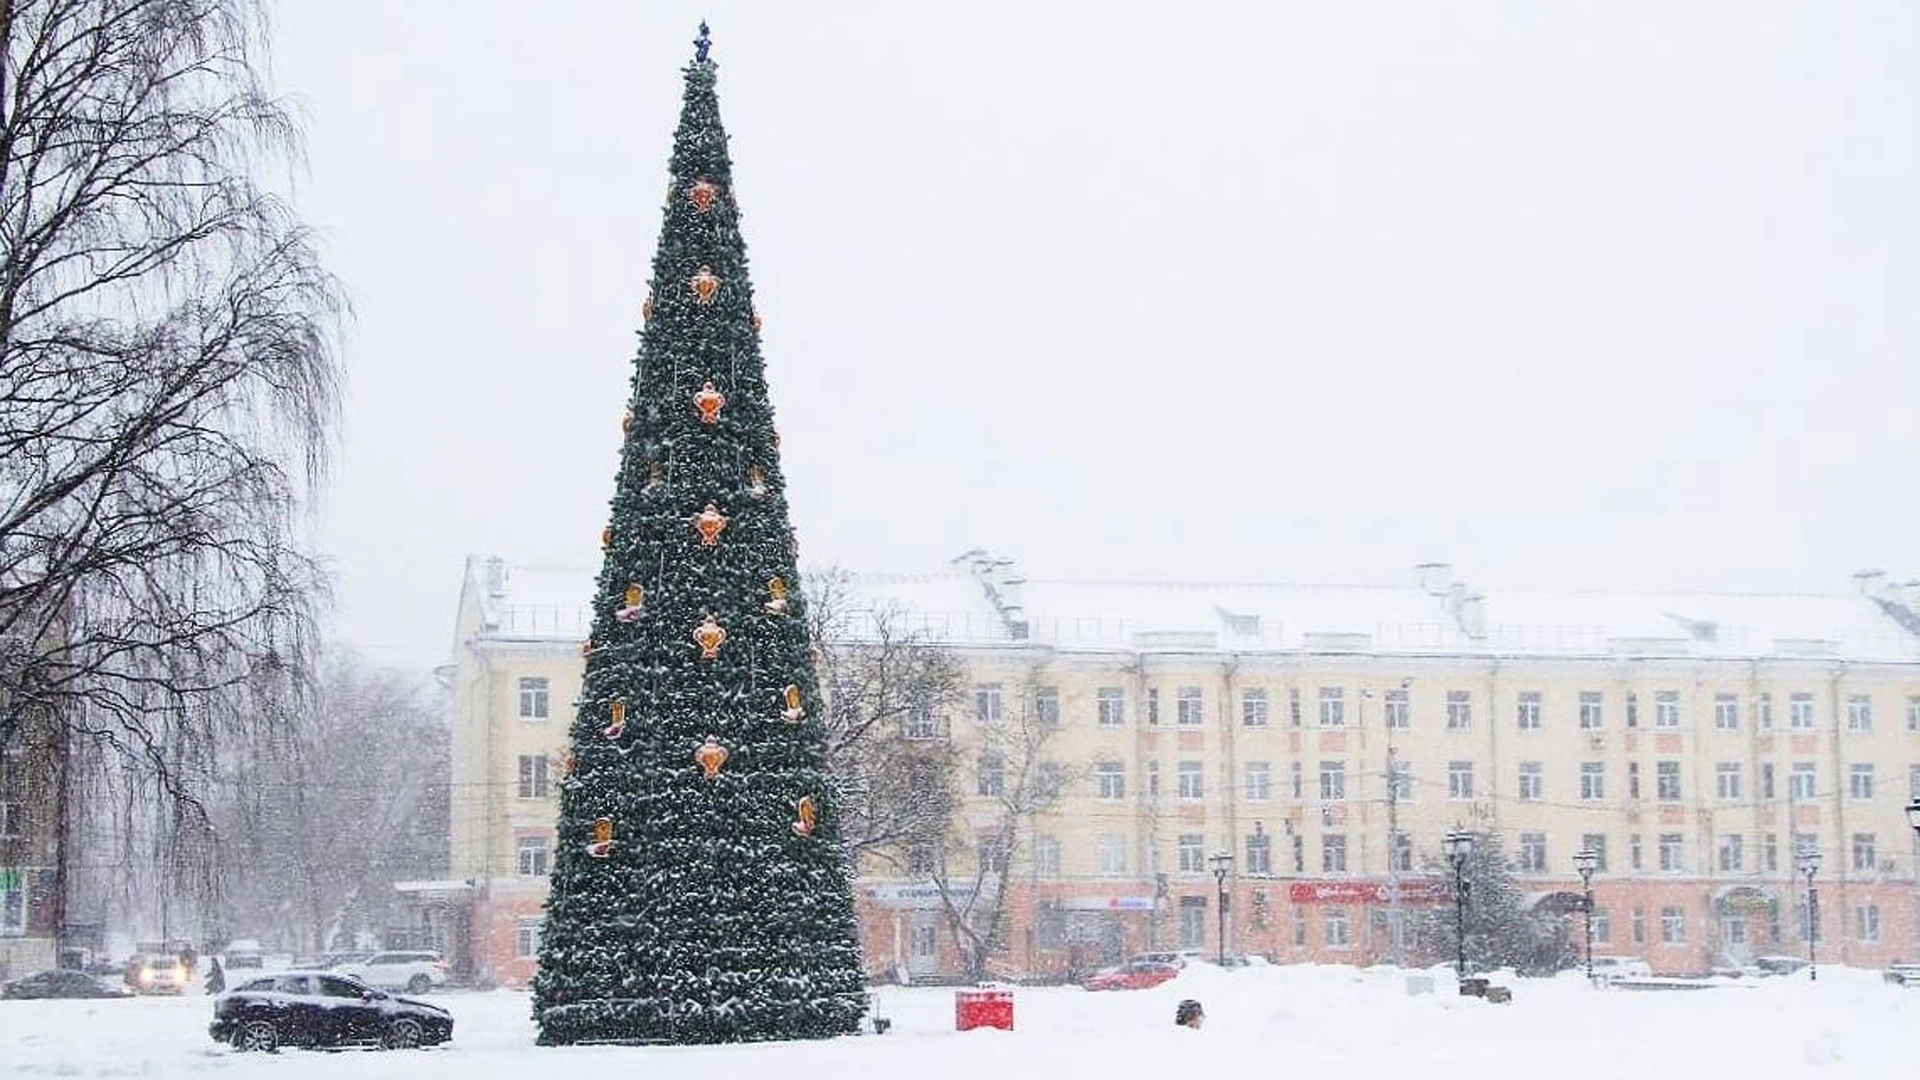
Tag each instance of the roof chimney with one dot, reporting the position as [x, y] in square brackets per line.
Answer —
[1473, 615]
[1434, 577]
[496, 578]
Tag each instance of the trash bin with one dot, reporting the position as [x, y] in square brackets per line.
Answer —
[1474, 986]
[982, 1008]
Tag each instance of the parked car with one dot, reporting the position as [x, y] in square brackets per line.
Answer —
[414, 972]
[1903, 975]
[323, 1009]
[337, 959]
[61, 984]
[1611, 968]
[1177, 959]
[1779, 965]
[244, 953]
[157, 973]
[1133, 975]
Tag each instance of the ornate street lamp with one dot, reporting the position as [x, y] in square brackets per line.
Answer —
[1222, 864]
[1808, 860]
[1459, 844]
[1586, 861]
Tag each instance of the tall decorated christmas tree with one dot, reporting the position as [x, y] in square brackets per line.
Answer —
[700, 890]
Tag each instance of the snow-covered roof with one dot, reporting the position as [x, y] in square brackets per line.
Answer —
[988, 604]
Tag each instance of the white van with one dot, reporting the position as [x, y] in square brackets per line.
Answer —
[1610, 968]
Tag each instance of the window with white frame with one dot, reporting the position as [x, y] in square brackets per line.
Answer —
[1800, 782]
[1333, 780]
[1866, 922]
[1259, 852]
[533, 856]
[1110, 855]
[1592, 710]
[1400, 780]
[1110, 780]
[1189, 707]
[1153, 706]
[1528, 710]
[1638, 921]
[1046, 706]
[1864, 852]
[1110, 706]
[1046, 856]
[1049, 779]
[990, 775]
[1633, 710]
[1459, 779]
[1533, 852]
[533, 776]
[1299, 845]
[990, 854]
[1666, 709]
[1593, 780]
[1673, 925]
[1800, 712]
[1259, 781]
[988, 703]
[1253, 707]
[1333, 707]
[1726, 780]
[1295, 782]
[1193, 853]
[1339, 929]
[1299, 923]
[1913, 781]
[1596, 843]
[1673, 852]
[1192, 780]
[1666, 781]
[922, 724]
[1333, 853]
[1770, 852]
[1399, 711]
[1859, 714]
[1860, 781]
[1400, 853]
[13, 903]
[526, 939]
[1459, 710]
[1726, 712]
[533, 698]
[1913, 713]
[1602, 927]
[1634, 862]
[1732, 850]
[1532, 780]
[1766, 781]
[1763, 712]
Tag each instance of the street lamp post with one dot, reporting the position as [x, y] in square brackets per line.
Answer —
[1459, 843]
[1222, 864]
[1586, 861]
[1809, 862]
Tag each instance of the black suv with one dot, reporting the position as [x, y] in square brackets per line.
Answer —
[319, 1008]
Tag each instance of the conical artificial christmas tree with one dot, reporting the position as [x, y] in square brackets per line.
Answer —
[700, 889]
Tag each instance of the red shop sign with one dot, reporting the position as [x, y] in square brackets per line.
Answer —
[1365, 892]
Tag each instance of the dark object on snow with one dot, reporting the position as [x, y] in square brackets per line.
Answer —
[216, 978]
[1189, 1014]
[1474, 986]
[61, 984]
[319, 1008]
[1498, 995]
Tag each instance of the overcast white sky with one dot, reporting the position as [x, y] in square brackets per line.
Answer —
[1571, 294]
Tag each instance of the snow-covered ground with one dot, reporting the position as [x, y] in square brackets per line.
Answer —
[1331, 1023]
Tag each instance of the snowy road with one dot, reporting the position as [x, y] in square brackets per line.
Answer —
[1330, 1023]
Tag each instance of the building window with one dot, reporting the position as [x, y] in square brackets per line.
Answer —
[1188, 706]
[1299, 924]
[920, 858]
[1639, 922]
[1049, 779]
[1529, 710]
[1191, 780]
[1253, 708]
[990, 774]
[1046, 856]
[533, 776]
[1333, 780]
[1259, 781]
[1913, 781]
[1153, 706]
[1333, 853]
[1400, 712]
[1193, 921]
[1533, 852]
[1294, 781]
[1726, 780]
[1110, 855]
[922, 725]
[1591, 711]
[1193, 853]
[1110, 779]
[1863, 852]
[1531, 780]
[1673, 852]
[1459, 779]
[1400, 853]
[1666, 781]
[1399, 780]
[1735, 929]
[13, 904]
[1666, 709]
[1673, 925]
[1593, 780]
[1866, 922]
[1763, 712]
[1339, 929]
[533, 856]
[987, 707]
[1299, 853]
[1259, 852]
[1770, 852]
[1726, 712]
[1333, 707]
[990, 854]
[1913, 713]
[1732, 853]
[1766, 781]
[1459, 710]
[1293, 706]
[1860, 782]
[1046, 706]
[1602, 927]
[533, 699]
[1633, 715]
[1153, 779]
[1800, 712]
[1633, 851]
[1110, 706]
[1596, 843]
[1633, 779]
[526, 939]
[1859, 714]
[13, 820]
[1800, 785]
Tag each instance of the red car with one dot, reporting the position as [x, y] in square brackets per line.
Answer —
[1135, 975]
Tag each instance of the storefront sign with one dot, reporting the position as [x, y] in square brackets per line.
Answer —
[1107, 903]
[1365, 892]
[920, 896]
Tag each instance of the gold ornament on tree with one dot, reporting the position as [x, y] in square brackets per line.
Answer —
[586, 647]
[777, 590]
[617, 725]
[705, 286]
[646, 309]
[626, 421]
[709, 635]
[606, 537]
[710, 756]
[756, 481]
[791, 698]
[756, 322]
[804, 816]
[653, 479]
[630, 611]
[602, 845]
[701, 194]
[708, 522]
[709, 401]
